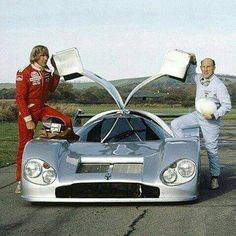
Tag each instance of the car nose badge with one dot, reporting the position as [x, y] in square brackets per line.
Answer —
[108, 176]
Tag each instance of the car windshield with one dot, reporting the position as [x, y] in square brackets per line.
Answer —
[123, 129]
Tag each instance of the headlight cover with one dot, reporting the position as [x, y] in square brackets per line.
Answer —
[39, 172]
[186, 168]
[179, 172]
[170, 175]
[49, 176]
[33, 168]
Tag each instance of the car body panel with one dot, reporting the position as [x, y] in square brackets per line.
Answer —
[158, 154]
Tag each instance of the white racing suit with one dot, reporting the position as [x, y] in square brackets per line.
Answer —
[217, 92]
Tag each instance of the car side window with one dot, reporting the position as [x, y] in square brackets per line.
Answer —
[94, 135]
[98, 132]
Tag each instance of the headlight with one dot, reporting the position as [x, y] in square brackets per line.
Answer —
[169, 175]
[179, 172]
[33, 168]
[39, 172]
[49, 176]
[186, 168]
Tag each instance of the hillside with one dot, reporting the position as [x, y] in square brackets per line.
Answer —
[131, 82]
[7, 85]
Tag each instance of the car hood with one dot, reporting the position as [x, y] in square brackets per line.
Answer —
[134, 162]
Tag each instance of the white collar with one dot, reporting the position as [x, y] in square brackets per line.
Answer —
[37, 67]
[206, 81]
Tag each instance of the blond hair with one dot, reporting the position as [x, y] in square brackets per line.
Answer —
[37, 51]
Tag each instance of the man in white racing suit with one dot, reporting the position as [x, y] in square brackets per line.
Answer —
[209, 86]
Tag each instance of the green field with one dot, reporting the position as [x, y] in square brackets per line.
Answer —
[9, 133]
[8, 142]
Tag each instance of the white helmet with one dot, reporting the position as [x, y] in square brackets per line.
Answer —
[205, 106]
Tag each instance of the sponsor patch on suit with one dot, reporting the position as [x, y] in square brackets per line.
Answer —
[35, 78]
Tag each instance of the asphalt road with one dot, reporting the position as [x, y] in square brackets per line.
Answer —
[213, 214]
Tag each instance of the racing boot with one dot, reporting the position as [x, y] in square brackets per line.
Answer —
[18, 187]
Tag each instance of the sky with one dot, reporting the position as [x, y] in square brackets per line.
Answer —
[118, 39]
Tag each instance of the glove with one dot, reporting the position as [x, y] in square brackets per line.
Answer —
[193, 59]
[54, 66]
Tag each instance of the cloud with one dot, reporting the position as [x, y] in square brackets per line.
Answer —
[118, 39]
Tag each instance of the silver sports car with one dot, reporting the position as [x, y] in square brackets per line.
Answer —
[122, 155]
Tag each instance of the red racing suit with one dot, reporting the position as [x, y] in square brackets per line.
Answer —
[32, 88]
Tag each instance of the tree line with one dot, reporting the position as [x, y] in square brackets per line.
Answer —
[65, 92]
[182, 94]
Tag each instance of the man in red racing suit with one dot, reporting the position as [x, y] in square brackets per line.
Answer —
[33, 84]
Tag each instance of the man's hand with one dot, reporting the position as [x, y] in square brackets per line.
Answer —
[193, 59]
[53, 63]
[30, 125]
[54, 66]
